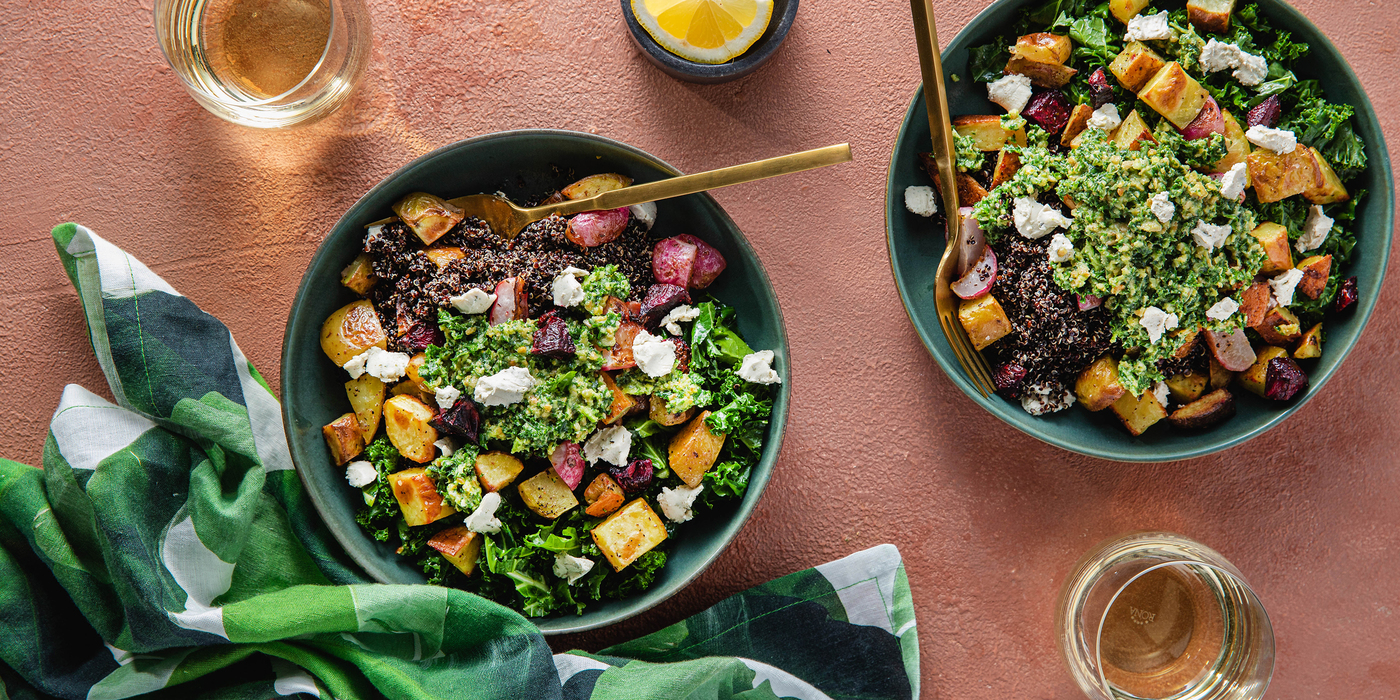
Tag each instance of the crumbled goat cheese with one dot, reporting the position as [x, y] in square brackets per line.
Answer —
[644, 213]
[1233, 181]
[1315, 229]
[1035, 220]
[1161, 391]
[474, 301]
[1210, 236]
[566, 288]
[1276, 140]
[381, 364]
[1012, 92]
[1105, 118]
[921, 200]
[1061, 248]
[757, 367]
[446, 396]
[1162, 207]
[1157, 322]
[676, 504]
[611, 444]
[503, 388]
[1284, 284]
[1223, 309]
[360, 474]
[655, 355]
[1218, 55]
[483, 519]
[672, 320]
[446, 446]
[1039, 400]
[1149, 27]
[1252, 71]
[356, 365]
[571, 568]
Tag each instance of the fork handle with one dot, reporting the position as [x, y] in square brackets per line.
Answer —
[699, 182]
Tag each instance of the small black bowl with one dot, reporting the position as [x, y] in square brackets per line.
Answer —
[783, 13]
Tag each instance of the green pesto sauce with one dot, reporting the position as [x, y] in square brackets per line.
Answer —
[970, 157]
[1122, 252]
[680, 390]
[601, 283]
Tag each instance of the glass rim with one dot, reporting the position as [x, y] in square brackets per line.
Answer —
[320, 61]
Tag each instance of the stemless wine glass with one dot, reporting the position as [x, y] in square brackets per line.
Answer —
[1157, 616]
[266, 63]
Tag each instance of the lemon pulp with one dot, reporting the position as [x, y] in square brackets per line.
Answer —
[704, 31]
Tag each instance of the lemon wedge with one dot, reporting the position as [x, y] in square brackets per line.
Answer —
[704, 31]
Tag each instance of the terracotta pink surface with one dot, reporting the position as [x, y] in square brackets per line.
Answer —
[881, 447]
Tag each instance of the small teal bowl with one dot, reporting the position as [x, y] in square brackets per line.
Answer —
[915, 248]
[520, 164]
[784, 12]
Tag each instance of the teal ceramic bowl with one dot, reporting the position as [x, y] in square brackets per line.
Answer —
[521, 164]
[915, 248]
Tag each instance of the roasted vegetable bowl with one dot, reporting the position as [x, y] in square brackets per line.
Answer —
[1170, 217]
[571, 423]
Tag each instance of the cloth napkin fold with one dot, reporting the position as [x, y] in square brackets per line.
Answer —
[167, 549]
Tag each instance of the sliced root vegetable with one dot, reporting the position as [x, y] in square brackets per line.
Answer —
[568, 463]
[1265, 113]
[979, 279]
[594, 185]
[1088, 301]
[512, 301]
[1100, 91]
[672, 260]
[619, 356]
[1208, 121]
[972, 242]
[659, 301]
[708, 262]
[594, 228]
[1049, 109]
[1284, 379]
[1231, 350]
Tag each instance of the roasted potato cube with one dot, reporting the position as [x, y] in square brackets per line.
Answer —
[418, 497]
[1043, 47]
[1187, 386]
[1078, 122]
[547, 494]
[1210, 16]
[1254, 303]
[366, 395]
[622, 402]
[1315, 270]
[412, 373]
[984, 320]
[1007, 165]
[1135, 65]
[408, 388]
[594, 185]
[1131, 131]
[1236, 145]
[459, 546]
[1253, 378]
[1125, 10]
[442, 255]
[603, 495]
[1219, 376]
[344, 438]
[629, 533]
[1331, 190]
[1278, 255]
[1279, 327]
[1213, 408]
[694, 449]
[496, 470]
[351, 330]
[1046, 75]
[1174, 94]
[1310, 345]
[429, 217]
[658, 412]
[407, 423]
[1276, 176]
[358, 276]
[988, 132]
[1139, 413]
[970, 192]
[1097, 386]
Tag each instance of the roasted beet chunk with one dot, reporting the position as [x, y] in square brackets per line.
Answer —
[660, 299]
[460, 420]
[634, 478]
[1265, 113]
[1008, 378]
[1100, 90]
[422, 334]
[552, 338]
[1346, 296]
[682, 355]
[1284, 379]
[1049, 109]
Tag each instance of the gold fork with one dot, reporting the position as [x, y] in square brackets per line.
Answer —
[940, 125]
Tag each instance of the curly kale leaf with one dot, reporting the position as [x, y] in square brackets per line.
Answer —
[381, 515]
[637, 577]
[1345, 152]
[725, 480]
[985, 63]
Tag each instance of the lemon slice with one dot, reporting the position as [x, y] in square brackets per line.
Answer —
[704, 31]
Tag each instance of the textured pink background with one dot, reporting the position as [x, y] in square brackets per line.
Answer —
[880, 446]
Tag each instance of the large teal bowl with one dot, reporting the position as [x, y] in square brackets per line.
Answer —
[519, 163]
[915, 248]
